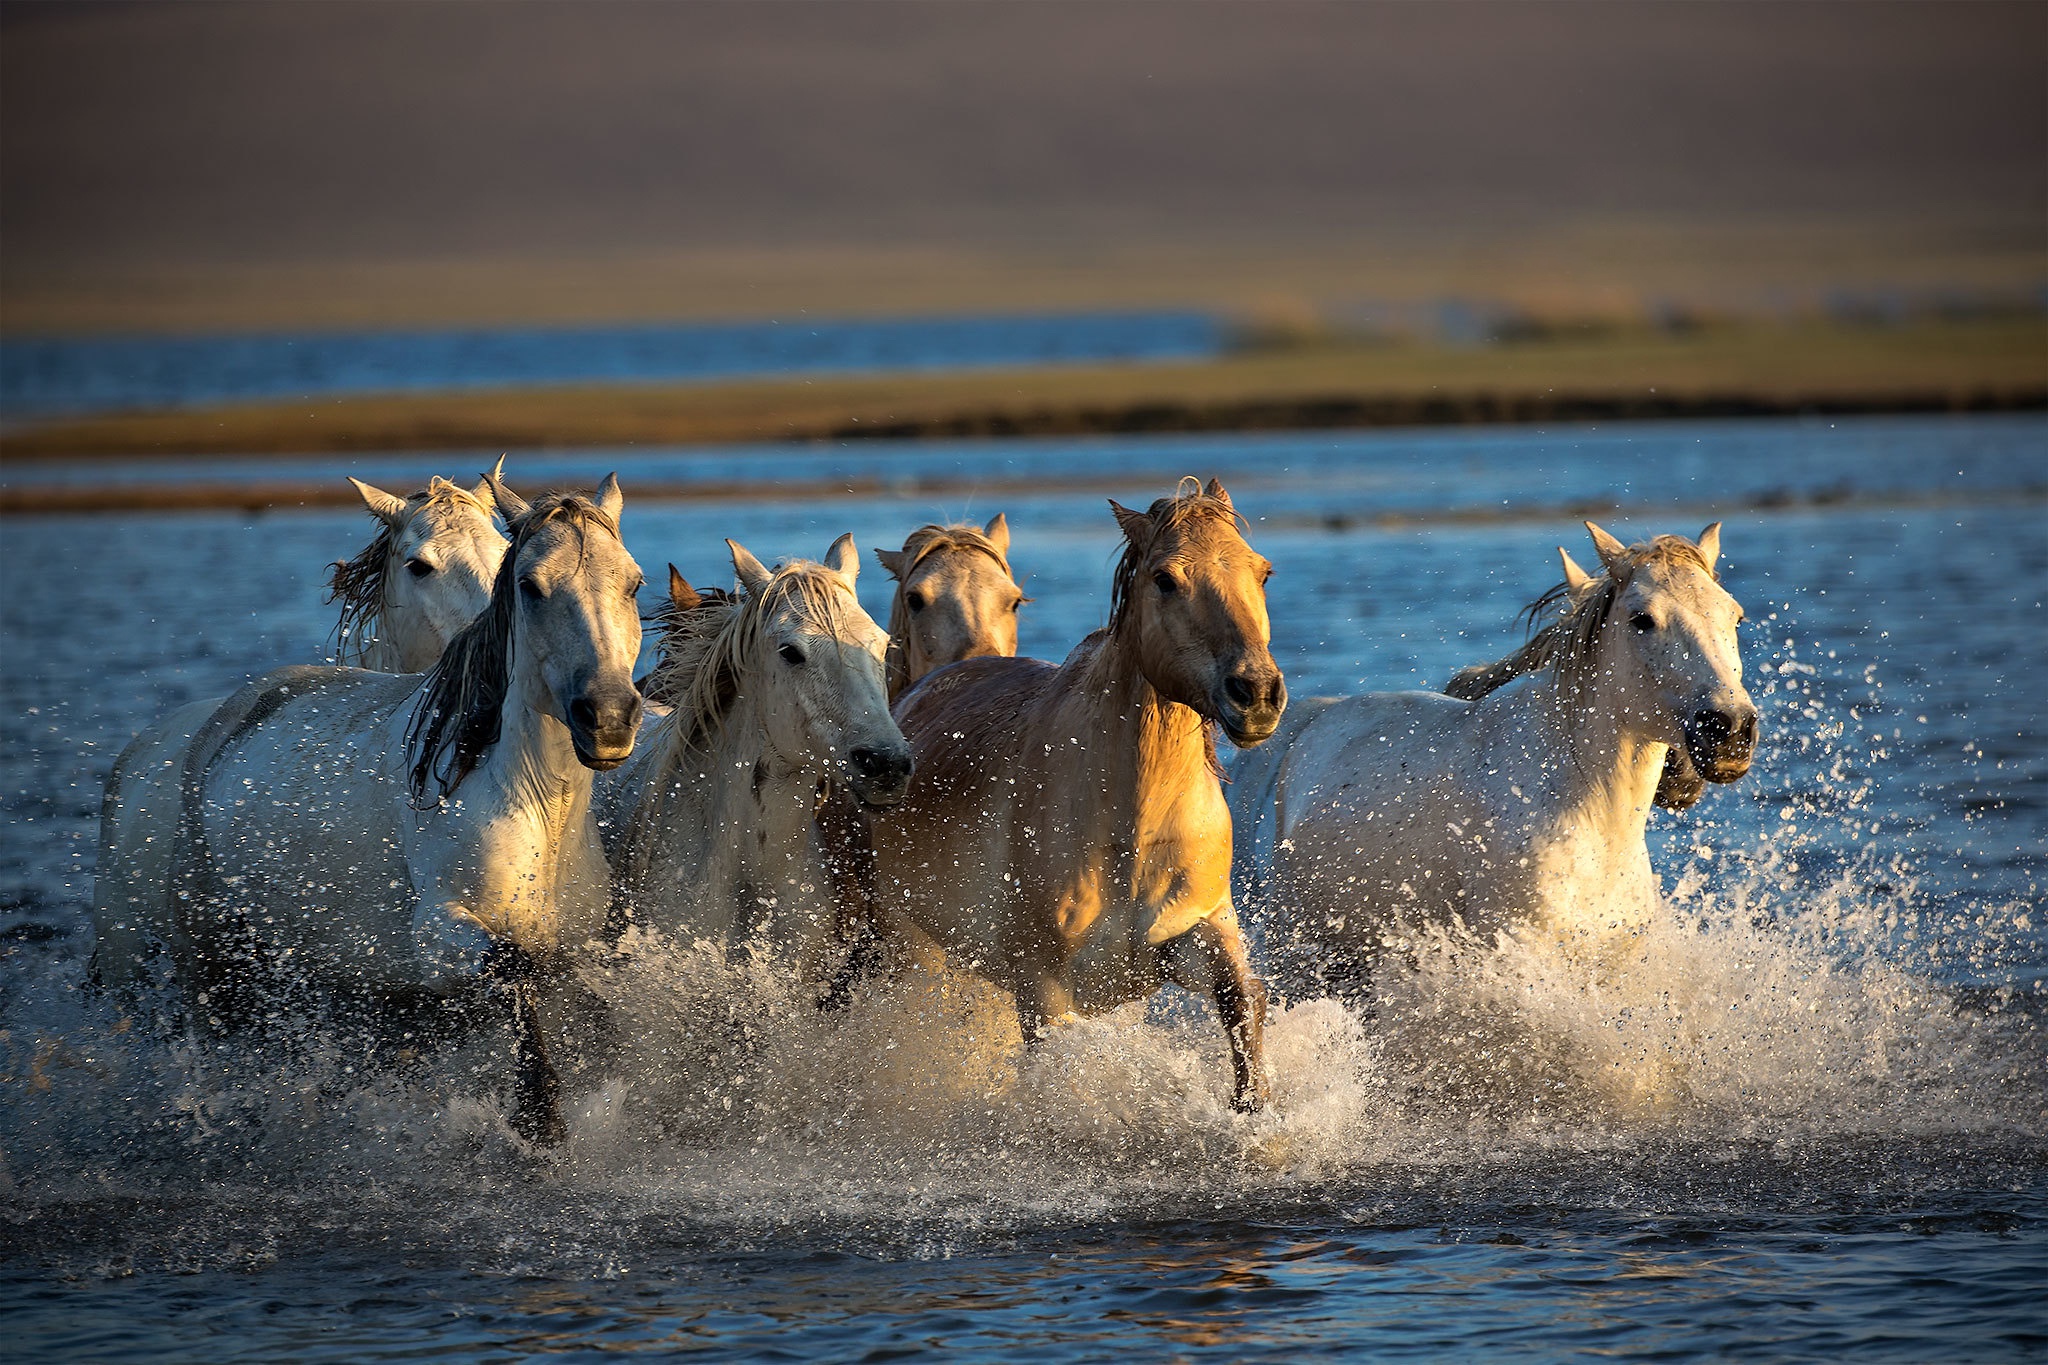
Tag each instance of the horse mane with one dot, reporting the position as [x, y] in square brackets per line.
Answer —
[1572, 636]
[926, 540]
[701, 657]
[456, 718]
[358, 583]
[1188, 504]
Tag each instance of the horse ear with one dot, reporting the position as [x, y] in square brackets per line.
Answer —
[685, 597]
[610, 500]
[1576, 579]
[750, 573]
[1137, 526]
[509, 503]
[482, 491]
[892, 560]
[384, 507]
[1710, 544]
[843, 560]
[1218, 492]
[997, 533]
[1612, 551]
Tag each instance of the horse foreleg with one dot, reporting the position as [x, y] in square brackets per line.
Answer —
[1211, 958]
[1048, 1000]
[848, 848]
[536, 1090]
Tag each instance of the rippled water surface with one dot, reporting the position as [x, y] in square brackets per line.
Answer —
[1810, 1120]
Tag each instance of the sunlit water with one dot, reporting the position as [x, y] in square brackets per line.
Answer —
[1807, 1117]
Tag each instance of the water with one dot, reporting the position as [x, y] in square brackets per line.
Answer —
[48, 376]
[1811, 1120]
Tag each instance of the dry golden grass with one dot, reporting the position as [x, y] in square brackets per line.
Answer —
[1730, 367]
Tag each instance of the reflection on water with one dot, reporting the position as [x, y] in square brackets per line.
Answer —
[1806, 1120]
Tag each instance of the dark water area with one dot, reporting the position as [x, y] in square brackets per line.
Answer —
[51, 376]
[1813, 1124]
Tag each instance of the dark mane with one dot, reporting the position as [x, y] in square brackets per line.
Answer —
[456, 719]
[1166, 514]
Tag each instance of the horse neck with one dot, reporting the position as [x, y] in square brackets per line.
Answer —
[401, 644]
[1610, 767]
[735, 795]
[1141, 749]
[534, 761]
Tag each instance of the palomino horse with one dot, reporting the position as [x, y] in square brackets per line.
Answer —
[1527, 805]
[955, 599]
[382, 837]
[777, 690]
[427, 574]
[1065, 835]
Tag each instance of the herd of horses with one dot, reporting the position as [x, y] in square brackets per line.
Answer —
[488, 793]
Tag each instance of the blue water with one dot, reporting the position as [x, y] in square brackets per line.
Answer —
[54, 375]
[1847, 1001]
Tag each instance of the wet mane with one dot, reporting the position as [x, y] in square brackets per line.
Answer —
[456, 717]
[358, 583]
[1572, 636]
[1187, 505]
[702, 656]
[925, 541]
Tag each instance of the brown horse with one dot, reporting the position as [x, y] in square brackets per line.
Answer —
[1065, 835]
[955, 599]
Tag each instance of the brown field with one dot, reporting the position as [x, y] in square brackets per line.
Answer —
[1722, 369]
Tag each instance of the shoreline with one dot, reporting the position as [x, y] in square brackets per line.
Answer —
[1995, 365]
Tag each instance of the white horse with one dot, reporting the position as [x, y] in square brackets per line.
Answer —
[777, 691]
[427, 574]
[379, 837]
[1371, 813]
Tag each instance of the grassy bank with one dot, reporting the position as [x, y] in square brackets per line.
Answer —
[1728, 369]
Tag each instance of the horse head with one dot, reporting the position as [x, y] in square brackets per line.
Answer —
[812, 661]
[1667, 625]
[570, 590]
[955, 599]
[1190, 597]
[426, 575]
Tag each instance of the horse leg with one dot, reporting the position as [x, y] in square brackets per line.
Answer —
[1047, 1001]
[848, 847]
[1211, 958]
[536, 1090]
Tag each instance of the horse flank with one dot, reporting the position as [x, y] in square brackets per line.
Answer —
[457, 716]
[358, 583]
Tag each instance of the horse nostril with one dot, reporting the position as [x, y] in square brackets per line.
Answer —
[876, 764]
[583, 712]
[1240, 690]
[1747, 733]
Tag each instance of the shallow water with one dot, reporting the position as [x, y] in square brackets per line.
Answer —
[1809, 1117]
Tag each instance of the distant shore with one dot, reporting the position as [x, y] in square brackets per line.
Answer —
[1749, 370]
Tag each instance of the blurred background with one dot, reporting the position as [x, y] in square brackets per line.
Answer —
[1148, 216]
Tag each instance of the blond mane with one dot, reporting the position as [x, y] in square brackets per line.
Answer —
[1571, 637]
[456, 718]
[925, 541]
[702, 655]
[358, 583]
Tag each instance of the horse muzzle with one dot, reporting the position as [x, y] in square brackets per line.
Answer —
[1721, 743]
[880, 775]
[1249, 705]
[603, 729]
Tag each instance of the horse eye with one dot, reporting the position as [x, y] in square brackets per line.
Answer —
[792, 656]
[531, 589]
[1165, 582]
[914, 600]
[1642, 620]
[418, 568]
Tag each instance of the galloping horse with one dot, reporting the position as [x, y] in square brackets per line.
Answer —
[955, 599]
[1065, 835]
[425, 576]
[1527, 805]
[377, 836]
[777, 691]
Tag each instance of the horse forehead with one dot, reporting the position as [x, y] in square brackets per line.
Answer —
[957, 568]
[1683, 584]
[448, 519]
[581, 548]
